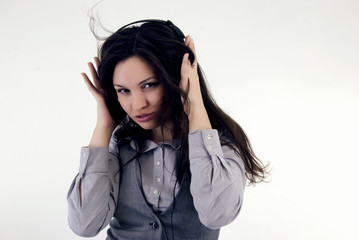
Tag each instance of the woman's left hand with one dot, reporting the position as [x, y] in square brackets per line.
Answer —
[194, 106]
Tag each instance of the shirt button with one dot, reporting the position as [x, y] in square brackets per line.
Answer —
[155, 192]
[209, 136]
[209, 147]
[154, 225]
[84, 154]
[158, 179]
[158, 163]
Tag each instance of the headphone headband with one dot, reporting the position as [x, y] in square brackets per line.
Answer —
[168, 23]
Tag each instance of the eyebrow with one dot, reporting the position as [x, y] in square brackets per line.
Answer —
[143, 81]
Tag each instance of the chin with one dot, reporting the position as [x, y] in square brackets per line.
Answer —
[148, 126]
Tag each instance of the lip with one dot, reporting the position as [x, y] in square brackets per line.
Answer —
[144, 117]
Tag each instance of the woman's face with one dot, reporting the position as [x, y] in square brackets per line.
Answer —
[139, 91]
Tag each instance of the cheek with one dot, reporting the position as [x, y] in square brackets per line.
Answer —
[159, 96]
[157, 100]
[123, 103]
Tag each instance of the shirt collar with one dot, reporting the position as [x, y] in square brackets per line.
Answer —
[150, 145]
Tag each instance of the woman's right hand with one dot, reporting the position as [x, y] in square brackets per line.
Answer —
[105, 121]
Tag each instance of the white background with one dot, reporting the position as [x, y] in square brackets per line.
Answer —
[287, 71]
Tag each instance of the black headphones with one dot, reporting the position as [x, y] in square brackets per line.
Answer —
[167, 23]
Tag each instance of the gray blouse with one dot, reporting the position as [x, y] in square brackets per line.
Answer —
[217, 182]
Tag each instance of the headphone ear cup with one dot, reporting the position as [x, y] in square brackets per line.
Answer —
[176, 30]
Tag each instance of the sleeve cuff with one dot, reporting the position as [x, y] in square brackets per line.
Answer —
[93, 159]
[203, 143]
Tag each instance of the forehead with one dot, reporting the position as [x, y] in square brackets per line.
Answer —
[132, 71]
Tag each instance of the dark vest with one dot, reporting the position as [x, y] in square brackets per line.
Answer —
[135, 220]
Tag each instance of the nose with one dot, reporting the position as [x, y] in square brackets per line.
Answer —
[139, 101]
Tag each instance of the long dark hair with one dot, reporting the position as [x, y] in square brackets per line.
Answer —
[162, 48]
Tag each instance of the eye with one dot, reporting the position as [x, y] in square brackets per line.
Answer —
[150, 85]
[122, 90]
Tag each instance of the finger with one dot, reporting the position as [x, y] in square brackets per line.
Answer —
[97, 62]
[187, 39]
[94, 75]
[88, 83]
[190, 43]
[186, 64]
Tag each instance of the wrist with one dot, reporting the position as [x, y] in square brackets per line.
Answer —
[198, 118]
[101, 136]
[105, 127]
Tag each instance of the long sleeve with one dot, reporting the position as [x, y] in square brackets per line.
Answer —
[97, 182]
[218, 179]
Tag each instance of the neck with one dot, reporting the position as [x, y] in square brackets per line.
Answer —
[159, 136]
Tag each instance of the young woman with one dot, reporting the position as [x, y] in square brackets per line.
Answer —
[164, 161]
